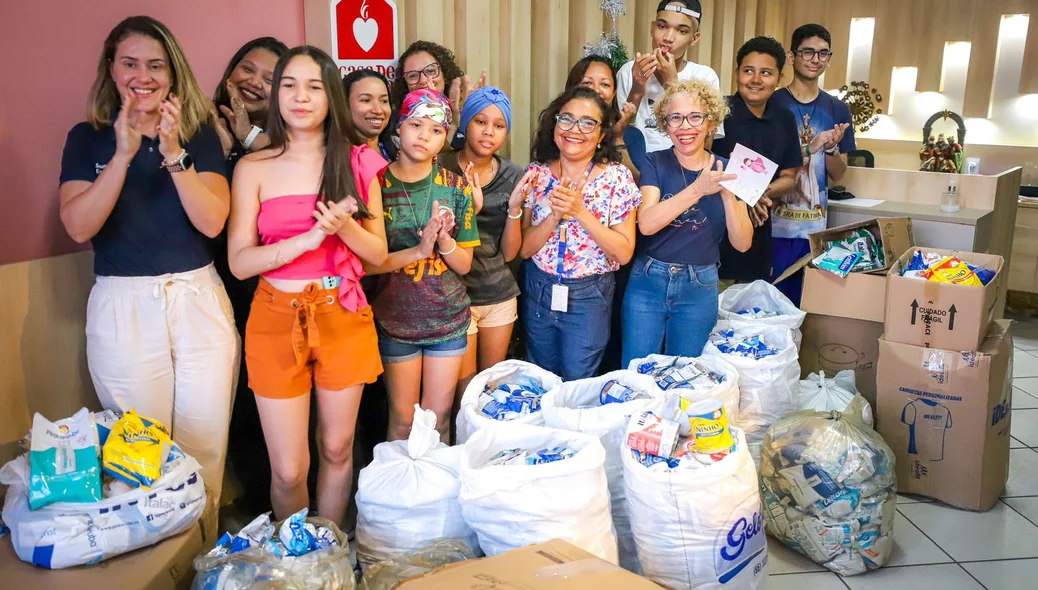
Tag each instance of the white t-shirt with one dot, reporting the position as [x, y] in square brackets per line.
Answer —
[646, 120]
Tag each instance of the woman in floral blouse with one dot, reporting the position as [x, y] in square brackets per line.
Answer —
[578, 228]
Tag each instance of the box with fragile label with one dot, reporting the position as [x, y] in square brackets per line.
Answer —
[941, 315]
[946, 416]
[555, 565]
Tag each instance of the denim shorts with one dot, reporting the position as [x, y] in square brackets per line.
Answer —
[395, 351]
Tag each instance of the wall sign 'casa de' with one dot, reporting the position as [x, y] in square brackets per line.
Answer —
[364, 35]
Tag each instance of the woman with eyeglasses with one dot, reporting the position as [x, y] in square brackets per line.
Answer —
[671, 301]
[425, 64]
[578, 228]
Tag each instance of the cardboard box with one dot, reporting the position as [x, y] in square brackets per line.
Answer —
[555, 565]
[941, 315]
[893, 234]
[860, 296]
[833, 344]
[946, 415]
[166, 566]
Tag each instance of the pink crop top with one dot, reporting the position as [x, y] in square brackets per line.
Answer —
[288, 216]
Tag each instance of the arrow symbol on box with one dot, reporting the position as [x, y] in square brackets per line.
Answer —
[915, 308]
[951, 317]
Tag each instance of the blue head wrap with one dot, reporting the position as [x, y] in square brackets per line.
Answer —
[481, 99]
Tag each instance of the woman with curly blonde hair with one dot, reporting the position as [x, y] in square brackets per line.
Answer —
[144, 180]
[671, 301]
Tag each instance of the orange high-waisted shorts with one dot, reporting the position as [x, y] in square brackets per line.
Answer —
[294, 341]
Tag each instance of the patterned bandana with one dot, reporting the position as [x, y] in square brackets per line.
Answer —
[427, 104]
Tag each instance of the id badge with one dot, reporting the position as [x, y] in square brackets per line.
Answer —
[560, 298]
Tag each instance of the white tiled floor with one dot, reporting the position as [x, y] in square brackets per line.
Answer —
[942, 547]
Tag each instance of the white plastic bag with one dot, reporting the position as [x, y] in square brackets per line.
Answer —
[574, 405]
[726, 391]
[699, 528]
[819, 394]
[66, 534]
[768, 387]
[512, 506]
[829, 489]
[765, 296]
[408, 495]
[470, 419]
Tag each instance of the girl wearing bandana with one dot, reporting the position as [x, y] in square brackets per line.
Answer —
[421, 303]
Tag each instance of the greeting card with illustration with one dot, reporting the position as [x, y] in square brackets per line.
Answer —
[755, 173]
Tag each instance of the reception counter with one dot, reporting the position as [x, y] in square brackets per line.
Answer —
[966, 229]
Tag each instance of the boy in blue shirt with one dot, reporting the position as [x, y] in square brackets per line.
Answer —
[826, 135]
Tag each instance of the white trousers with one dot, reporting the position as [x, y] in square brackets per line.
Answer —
[167, 346]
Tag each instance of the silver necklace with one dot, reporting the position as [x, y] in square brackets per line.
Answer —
[414, 208]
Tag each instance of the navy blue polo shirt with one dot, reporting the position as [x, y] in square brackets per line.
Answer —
[148, 232]
[774, 136]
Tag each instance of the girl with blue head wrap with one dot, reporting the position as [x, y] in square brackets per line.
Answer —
[483, 127]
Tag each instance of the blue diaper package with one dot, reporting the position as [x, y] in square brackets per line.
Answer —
[503, 400]
[294, 538]
[298, 536]
[837, 260]
[549, 455]
[747, 346]
[63, 461]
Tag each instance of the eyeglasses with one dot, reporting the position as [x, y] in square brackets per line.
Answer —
[585, 125]
[676, 120]
[431, 71]
[809, 54]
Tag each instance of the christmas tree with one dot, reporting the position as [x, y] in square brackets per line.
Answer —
[609, 45]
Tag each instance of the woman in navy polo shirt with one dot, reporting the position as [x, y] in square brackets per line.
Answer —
[671, 301]
[143, 179]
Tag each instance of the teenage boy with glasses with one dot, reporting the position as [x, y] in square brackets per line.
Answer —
[826, 135]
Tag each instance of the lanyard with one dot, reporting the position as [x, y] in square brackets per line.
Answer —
[559, 268]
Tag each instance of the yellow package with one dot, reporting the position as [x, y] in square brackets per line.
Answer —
[954, 271]
[136, 450]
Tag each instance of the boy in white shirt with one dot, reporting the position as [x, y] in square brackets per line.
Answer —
[643, 80]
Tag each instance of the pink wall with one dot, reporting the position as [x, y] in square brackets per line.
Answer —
[50, 50]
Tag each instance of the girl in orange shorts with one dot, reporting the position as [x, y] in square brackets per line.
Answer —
[305, 213]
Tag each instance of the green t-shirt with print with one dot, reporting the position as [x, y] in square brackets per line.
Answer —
[425, 302]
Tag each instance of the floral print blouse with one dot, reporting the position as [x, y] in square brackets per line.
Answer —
[611, 197]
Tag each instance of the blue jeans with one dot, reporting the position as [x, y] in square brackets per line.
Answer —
[395, 351]
[669, 308]
[571, 343]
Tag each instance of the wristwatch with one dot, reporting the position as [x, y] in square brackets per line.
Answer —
[833, 151]
[180, 163]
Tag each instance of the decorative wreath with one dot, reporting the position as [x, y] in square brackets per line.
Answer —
[863, 100]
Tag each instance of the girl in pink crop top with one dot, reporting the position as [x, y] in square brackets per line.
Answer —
[306, 213]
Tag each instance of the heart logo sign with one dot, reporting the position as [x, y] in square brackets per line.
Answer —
[365, 30]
